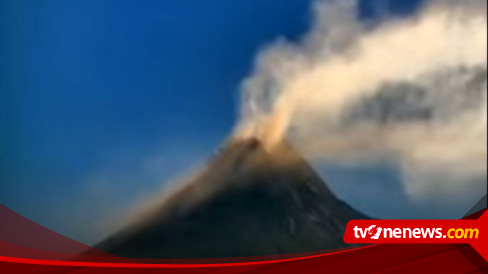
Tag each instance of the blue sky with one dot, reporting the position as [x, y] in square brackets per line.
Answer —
[104, 101]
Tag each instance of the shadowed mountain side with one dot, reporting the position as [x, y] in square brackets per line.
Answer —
[246, 202]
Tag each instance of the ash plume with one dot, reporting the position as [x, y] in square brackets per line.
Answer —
[411, 91]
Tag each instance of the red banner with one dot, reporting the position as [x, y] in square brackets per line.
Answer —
[473, 232]
[27, 247]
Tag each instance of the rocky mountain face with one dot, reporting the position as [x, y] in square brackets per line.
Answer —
[246, 202]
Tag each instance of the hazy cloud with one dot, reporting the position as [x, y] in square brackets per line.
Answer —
[409, 91]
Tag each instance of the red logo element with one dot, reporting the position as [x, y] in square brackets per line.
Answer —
[473, 232]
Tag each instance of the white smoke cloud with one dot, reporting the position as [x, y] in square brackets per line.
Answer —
[410, 91]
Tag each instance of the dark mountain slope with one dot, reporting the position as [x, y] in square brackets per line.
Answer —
[247, 202]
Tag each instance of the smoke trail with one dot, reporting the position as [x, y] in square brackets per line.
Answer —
[412, 91]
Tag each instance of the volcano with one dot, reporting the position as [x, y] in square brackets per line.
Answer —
[248, 201]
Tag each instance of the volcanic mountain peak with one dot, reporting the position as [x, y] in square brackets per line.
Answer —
[247, 201]
[282, 153]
